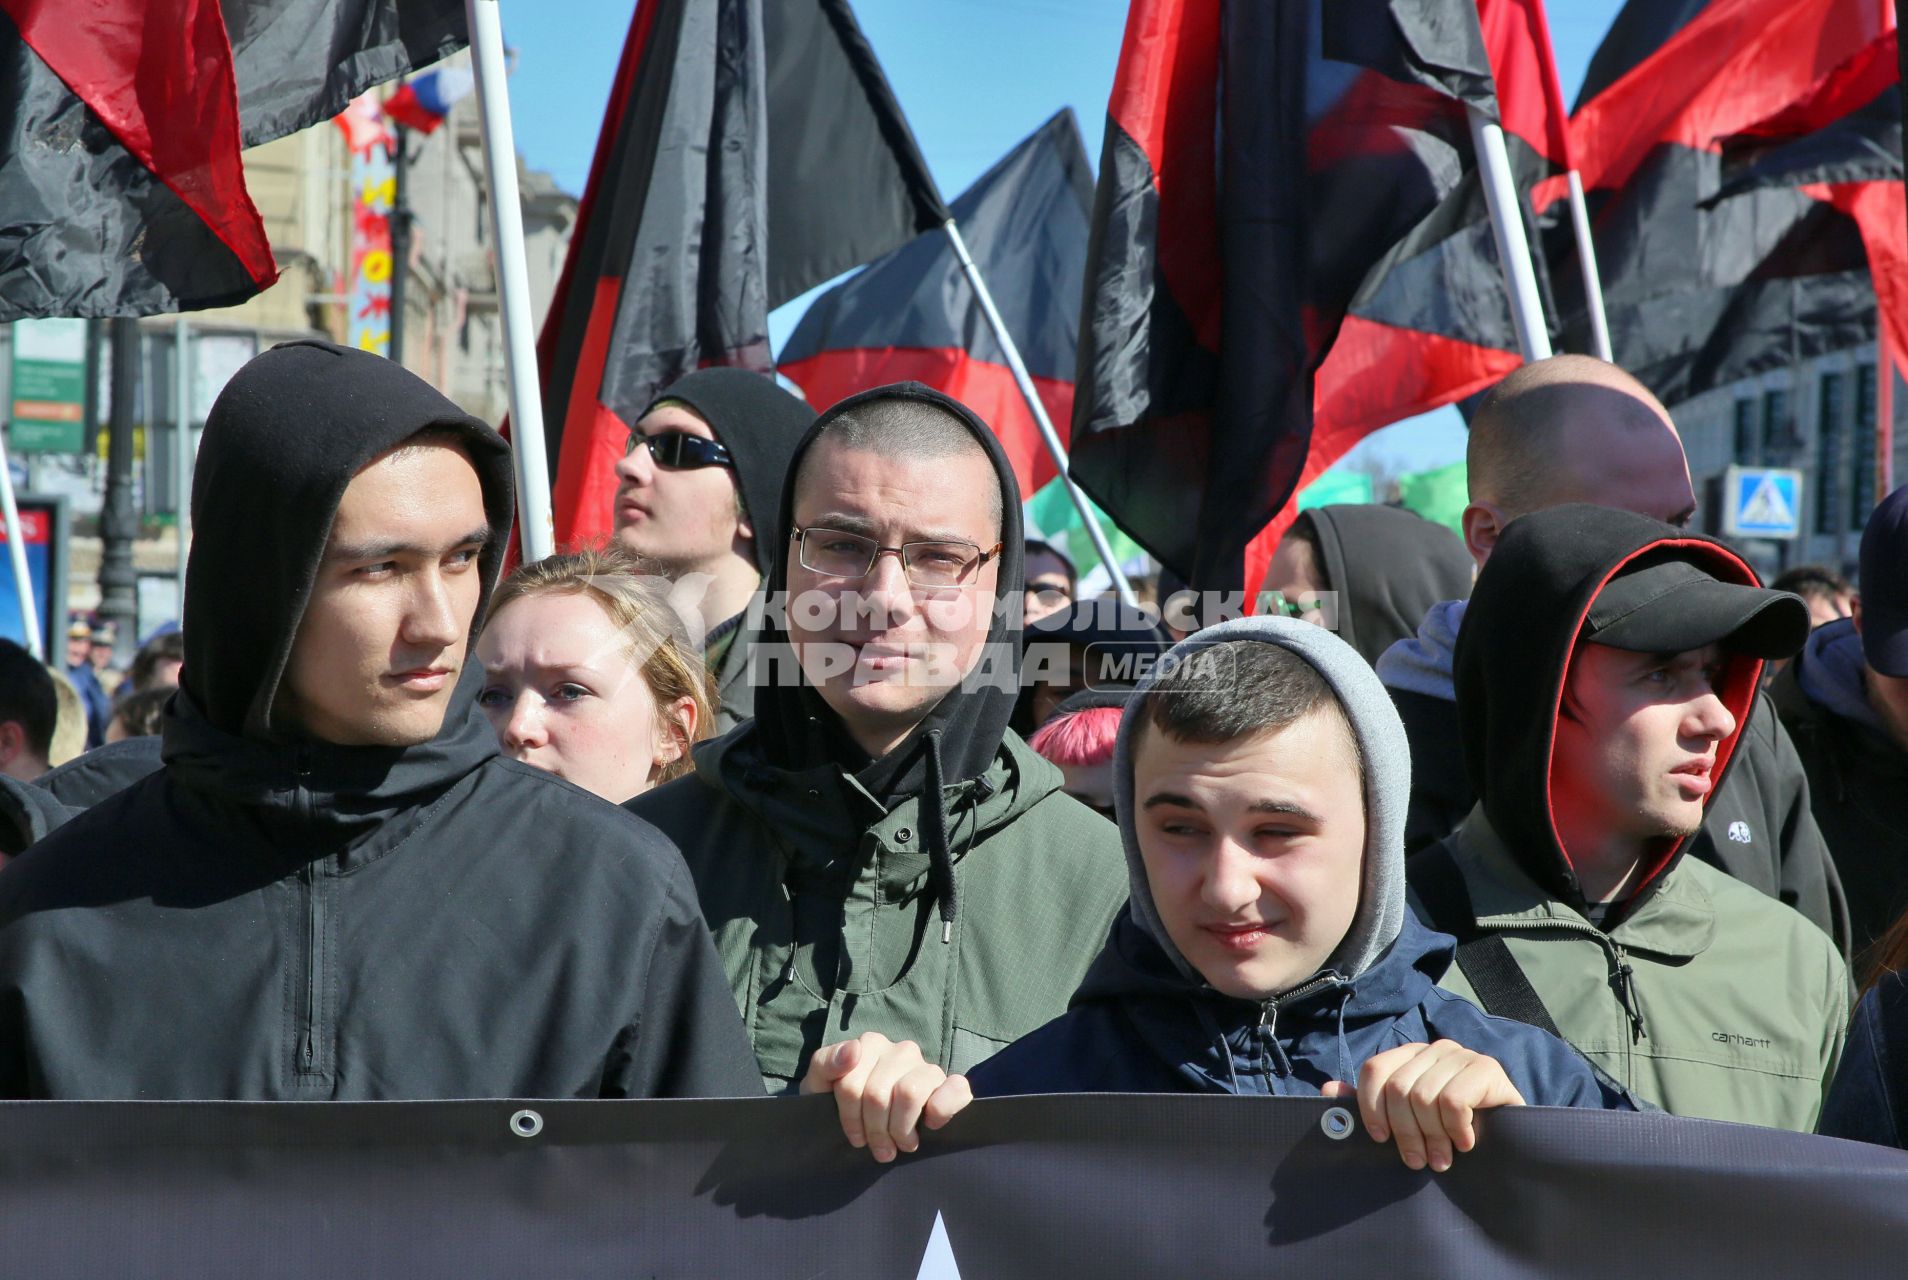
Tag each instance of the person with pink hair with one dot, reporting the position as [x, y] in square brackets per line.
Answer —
[1079, 738]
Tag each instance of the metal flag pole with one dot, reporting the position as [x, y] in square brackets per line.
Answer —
[1587, 260]
[1048, 435]
[182, 446]
[536, 527]
[1513, 247]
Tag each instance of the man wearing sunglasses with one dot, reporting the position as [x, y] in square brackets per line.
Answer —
[880, 857]
[704, 463]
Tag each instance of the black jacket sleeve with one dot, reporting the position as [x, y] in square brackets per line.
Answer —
[1865, 1102]
[1809, 880]
[689, 1042]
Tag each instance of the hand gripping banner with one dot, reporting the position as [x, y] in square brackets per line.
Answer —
[1102, 1186]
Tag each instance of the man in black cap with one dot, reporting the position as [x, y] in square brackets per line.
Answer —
[1845, 702]
[1573, 428]
[336, 888]
[705, 465]
[1605, 672]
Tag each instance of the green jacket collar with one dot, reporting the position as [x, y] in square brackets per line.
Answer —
[1677, 920]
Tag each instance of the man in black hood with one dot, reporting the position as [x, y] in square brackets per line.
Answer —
[877, 851]
[1576, 429]
[336, 888]
[1606, 672]
[1383, 565]
[703, 472]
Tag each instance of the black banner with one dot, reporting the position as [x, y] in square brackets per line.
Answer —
[1101, 1186]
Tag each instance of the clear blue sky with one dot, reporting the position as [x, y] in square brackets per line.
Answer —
[974, 76]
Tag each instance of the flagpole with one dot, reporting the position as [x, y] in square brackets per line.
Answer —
[1884, 416]
[1048, 435]
[1513, 247]
[1587, 261]
[536, 528]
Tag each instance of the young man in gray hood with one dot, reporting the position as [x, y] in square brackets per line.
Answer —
[1261, 782]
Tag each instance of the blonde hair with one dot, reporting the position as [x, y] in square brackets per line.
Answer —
[638, 606]
[69, 726]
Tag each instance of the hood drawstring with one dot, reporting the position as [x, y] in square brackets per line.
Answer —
[934, 832]
[1345, 1070]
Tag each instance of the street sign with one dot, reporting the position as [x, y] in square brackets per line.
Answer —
[1763, 502]
[49, 386]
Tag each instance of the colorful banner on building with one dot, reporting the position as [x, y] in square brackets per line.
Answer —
[373, 193]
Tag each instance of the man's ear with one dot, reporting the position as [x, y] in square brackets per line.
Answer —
[1855, 613]
[12, 742]
[1483, 524]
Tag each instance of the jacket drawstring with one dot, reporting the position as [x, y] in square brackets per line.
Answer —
[1220, 1043]
[1345, 1071]
[934, 829]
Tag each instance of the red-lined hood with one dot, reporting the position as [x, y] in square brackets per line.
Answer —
[1521, 630]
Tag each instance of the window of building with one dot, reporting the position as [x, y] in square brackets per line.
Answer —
[1831, 414]
[1778, 431]
[1861, 486]
[1748, 443]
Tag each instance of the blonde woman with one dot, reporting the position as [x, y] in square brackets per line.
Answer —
[589, 674]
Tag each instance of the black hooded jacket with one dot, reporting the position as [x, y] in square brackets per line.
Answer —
[1388, 566]
[760, 424]
[275, 917]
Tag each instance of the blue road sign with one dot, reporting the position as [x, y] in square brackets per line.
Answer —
[1764, 502]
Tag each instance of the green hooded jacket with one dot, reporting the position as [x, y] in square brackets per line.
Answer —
[822, 907]
[946, 893]
[1698, 993]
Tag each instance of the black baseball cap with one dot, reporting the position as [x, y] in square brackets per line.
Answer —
[1670, 604]
[1884, 583]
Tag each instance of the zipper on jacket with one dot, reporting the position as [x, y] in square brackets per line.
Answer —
[1268, 1028]
[1622, 976]
[308, 1047]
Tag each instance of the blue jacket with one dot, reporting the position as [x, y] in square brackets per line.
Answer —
[1869, 1099]
[1138, 1026]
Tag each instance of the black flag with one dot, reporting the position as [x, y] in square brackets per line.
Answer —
[752, 150]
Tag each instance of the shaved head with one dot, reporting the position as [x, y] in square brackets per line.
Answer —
[1573, 429]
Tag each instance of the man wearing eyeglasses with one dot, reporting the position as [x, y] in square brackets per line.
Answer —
[705, 461]
[879, 857]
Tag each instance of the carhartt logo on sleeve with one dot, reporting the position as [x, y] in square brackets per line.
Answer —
[1740, 833]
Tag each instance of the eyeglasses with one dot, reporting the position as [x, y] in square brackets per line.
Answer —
[680, 451]
[1274, 604]
[835, 554]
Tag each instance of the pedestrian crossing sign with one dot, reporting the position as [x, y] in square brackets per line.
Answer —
[1763, 502]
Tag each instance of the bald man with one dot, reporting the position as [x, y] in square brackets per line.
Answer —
[1576, 429]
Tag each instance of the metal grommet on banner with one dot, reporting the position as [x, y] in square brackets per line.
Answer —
[1337, 1123]
[526, 1124]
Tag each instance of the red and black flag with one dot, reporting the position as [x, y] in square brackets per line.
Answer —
[121, 188]
[1841, 144]
[1535, 117]
[752, 150]
[1236, 229]
[912, 315]
[1701, 292]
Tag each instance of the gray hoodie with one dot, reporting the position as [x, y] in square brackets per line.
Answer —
[1387, 763]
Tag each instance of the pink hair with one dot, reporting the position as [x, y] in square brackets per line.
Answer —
[1082, 737]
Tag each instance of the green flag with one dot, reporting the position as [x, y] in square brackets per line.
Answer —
[1439, 495]
[1335, 487]
[1052, 512]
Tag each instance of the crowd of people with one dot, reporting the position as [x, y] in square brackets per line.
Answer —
[819, 777]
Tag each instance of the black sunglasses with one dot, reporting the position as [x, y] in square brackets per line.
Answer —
[680, 451]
